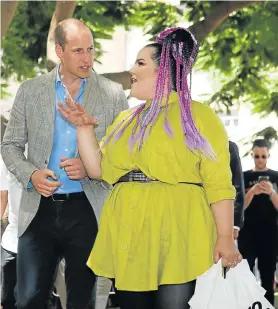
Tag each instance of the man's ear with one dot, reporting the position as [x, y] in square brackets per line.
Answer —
[59, 50]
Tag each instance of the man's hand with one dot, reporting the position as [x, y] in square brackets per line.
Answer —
[257, 189]
[73, 167]
[266, 187]
[44, 186]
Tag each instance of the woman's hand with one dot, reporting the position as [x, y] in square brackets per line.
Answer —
[226, 249]
[76, 114]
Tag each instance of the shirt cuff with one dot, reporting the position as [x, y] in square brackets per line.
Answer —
[236, 228]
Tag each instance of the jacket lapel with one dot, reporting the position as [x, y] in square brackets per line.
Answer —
[49, 97]
[90, 96]
[91, 93]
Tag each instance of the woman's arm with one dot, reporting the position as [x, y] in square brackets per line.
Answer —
[223, 212]
[90, 154]
[88, 146]
[225, 248]
[217, 182]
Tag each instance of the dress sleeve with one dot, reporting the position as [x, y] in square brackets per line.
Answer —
[216, 174]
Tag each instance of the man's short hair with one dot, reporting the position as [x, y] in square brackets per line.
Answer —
[60, 30]
[261, 143]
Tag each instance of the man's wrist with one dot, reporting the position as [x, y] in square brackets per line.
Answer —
[85, 179]
[32, 175]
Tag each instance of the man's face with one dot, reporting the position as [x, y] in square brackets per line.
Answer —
[77, 58]
[260, 156]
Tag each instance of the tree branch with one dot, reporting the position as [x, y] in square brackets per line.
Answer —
[200, 29]
[63, 10]
[221, 12]
[8, 9]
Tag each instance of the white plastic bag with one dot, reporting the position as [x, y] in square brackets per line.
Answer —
[239, 290]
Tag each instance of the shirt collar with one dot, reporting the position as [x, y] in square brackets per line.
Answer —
[174, 97]
[58, 78]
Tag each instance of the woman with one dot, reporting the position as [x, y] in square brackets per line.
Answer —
[170, 214]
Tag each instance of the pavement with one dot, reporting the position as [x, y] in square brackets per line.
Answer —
[276, 302]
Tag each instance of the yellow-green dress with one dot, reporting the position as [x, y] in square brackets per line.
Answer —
[162, 232]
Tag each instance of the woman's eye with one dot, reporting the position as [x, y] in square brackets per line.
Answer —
[140, 63]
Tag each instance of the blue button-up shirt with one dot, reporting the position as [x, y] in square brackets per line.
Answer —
[65, 140]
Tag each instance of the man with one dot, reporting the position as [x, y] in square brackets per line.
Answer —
[9, 238]
[9, 244]
[238, 183]
[258, 237]
[60, 206]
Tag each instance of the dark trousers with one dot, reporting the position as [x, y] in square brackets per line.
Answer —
[264, 248]
[60, 229]
[172, 296]
[8, 270]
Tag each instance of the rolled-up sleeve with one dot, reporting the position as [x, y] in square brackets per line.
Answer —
[216, 174]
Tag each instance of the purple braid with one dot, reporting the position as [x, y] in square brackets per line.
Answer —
[193, 138]
[184, 56]
[119, 129]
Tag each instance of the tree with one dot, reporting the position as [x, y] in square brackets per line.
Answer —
[244, 51]
[220, 11]
[8, 9]
[206, 17]
[239, 39]
[24, 45]
[31, 32]
[63, 10]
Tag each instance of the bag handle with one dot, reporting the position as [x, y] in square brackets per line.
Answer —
[222, 271]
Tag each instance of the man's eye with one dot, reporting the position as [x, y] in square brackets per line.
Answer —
[90, 49]
[78, 50]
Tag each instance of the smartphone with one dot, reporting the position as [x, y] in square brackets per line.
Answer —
[263, 178]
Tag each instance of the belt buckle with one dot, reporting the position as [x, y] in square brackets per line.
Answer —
[53, 199]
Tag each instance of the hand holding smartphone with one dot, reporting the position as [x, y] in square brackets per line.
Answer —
[263, 178]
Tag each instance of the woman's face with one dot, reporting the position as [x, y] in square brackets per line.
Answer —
[144, 75]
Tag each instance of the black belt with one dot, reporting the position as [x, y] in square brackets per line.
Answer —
[68, 196]
[138, 176]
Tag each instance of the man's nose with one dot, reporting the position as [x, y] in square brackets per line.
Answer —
[88, 57]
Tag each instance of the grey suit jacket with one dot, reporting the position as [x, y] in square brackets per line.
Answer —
[32, 121]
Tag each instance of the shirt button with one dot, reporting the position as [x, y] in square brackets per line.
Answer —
[125, 247]
[68, 132]
[132, 206]
[66, 149]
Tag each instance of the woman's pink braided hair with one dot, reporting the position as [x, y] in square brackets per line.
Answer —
[184, 58]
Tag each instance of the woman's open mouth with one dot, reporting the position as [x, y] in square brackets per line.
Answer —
[133, 80]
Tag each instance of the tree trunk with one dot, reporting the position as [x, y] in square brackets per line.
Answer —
[221, 12]
[7, 13]
[63, 10]
[200, 29]
[122, 78]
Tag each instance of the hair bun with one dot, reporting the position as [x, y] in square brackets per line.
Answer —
[174, 35]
